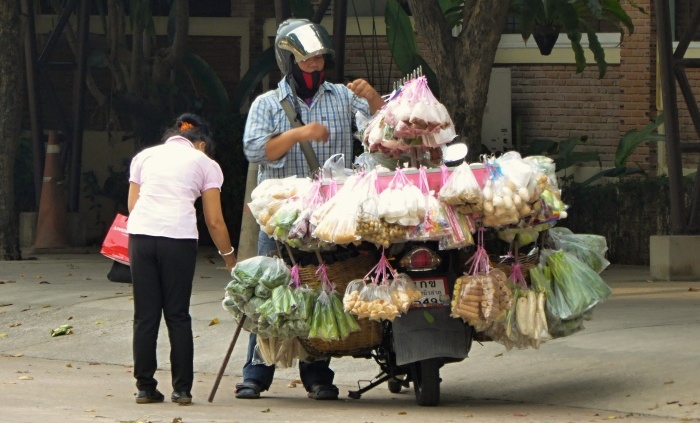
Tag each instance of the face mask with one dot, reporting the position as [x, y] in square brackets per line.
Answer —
[307, 83]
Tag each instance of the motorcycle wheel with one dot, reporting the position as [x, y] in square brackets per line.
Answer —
[426, 382]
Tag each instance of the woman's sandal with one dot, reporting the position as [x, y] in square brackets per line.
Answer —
[323, 392]
[248, 390]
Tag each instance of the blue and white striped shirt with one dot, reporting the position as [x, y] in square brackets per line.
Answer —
[334, 105]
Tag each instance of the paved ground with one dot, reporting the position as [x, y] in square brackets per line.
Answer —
[637, 360]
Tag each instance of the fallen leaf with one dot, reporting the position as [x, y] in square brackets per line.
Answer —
[90, 411]
[83, 296]
[100, 322]
[18, 355]
[70, 318]
[46, 306]
[93, 363]
[499, 355]
[520, 414]
[294, 383]
[26, 378]
[671, 402]
[214, 321]
[44, 283]
[402, 413]
[5, 305]
[693, 289]
[14, 325]
[267, 410]
[612, 417]
[668, 382]
[3, 335]
[69, 365]
[88, 279]
[177, 420]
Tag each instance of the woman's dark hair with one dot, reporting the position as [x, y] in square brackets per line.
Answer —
[194, 128]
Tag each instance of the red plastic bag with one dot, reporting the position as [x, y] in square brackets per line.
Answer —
[116, 243]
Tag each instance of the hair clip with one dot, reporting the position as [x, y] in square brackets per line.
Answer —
[184, 126]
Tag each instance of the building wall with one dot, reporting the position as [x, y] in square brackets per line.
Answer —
[549, 99]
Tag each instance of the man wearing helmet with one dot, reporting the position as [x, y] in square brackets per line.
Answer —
[326, 112]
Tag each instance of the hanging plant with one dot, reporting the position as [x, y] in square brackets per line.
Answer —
[545, 19]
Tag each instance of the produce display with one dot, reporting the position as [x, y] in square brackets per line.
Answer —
[516, 197]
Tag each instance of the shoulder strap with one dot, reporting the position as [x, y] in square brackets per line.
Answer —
[309, 153]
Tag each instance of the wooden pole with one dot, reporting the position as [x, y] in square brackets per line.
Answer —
[226, 359]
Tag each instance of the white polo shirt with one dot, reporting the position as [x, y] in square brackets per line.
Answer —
[172, 176]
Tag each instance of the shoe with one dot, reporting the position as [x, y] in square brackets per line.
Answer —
[181, 397]
[149, 396]
[323, 392]
[248, 390]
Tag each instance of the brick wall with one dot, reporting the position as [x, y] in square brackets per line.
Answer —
[553, 102]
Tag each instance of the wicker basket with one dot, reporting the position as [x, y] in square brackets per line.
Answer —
[526, 263]
[341, 273]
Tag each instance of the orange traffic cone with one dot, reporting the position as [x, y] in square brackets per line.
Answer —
[52, 218]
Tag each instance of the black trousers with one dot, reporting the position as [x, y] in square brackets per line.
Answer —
[162, 270]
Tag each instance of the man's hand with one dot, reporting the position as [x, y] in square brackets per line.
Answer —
[363, 89]
[317, 132]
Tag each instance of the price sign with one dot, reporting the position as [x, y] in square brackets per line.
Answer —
[435, 293]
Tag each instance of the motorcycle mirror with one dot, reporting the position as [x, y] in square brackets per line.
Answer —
[455, 153]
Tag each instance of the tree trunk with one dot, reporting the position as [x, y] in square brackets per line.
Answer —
[11, 83]
[463, 63]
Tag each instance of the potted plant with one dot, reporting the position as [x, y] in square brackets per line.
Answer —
[545, 19]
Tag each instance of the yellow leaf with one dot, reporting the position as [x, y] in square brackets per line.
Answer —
[3, 335]
[214, 321]
[99, 322]
[26, 378]
[18, 355]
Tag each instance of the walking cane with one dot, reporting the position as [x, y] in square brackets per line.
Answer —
[226, 359]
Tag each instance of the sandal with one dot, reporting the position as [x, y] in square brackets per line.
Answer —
[323, 392]
[248, 390]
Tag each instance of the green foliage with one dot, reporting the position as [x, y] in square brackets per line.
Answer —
[562, 152]
[202, 71]
[403, 46]
[574, 17]
[626, 148]
[626, 213]
[250, 81]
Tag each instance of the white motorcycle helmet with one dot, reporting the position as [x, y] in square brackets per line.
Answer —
[300, 39]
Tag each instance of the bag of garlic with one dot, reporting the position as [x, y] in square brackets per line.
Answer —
[504, 202]
[401, 202]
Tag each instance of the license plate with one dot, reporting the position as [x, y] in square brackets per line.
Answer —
[435, 293]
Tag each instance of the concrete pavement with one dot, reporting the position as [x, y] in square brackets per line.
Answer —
[637, 360]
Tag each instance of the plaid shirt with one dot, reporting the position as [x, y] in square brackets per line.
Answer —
[334, 105]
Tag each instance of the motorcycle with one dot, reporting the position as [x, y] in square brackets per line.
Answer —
[418, 344]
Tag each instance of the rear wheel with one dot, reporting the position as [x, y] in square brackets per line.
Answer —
[426, 381]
